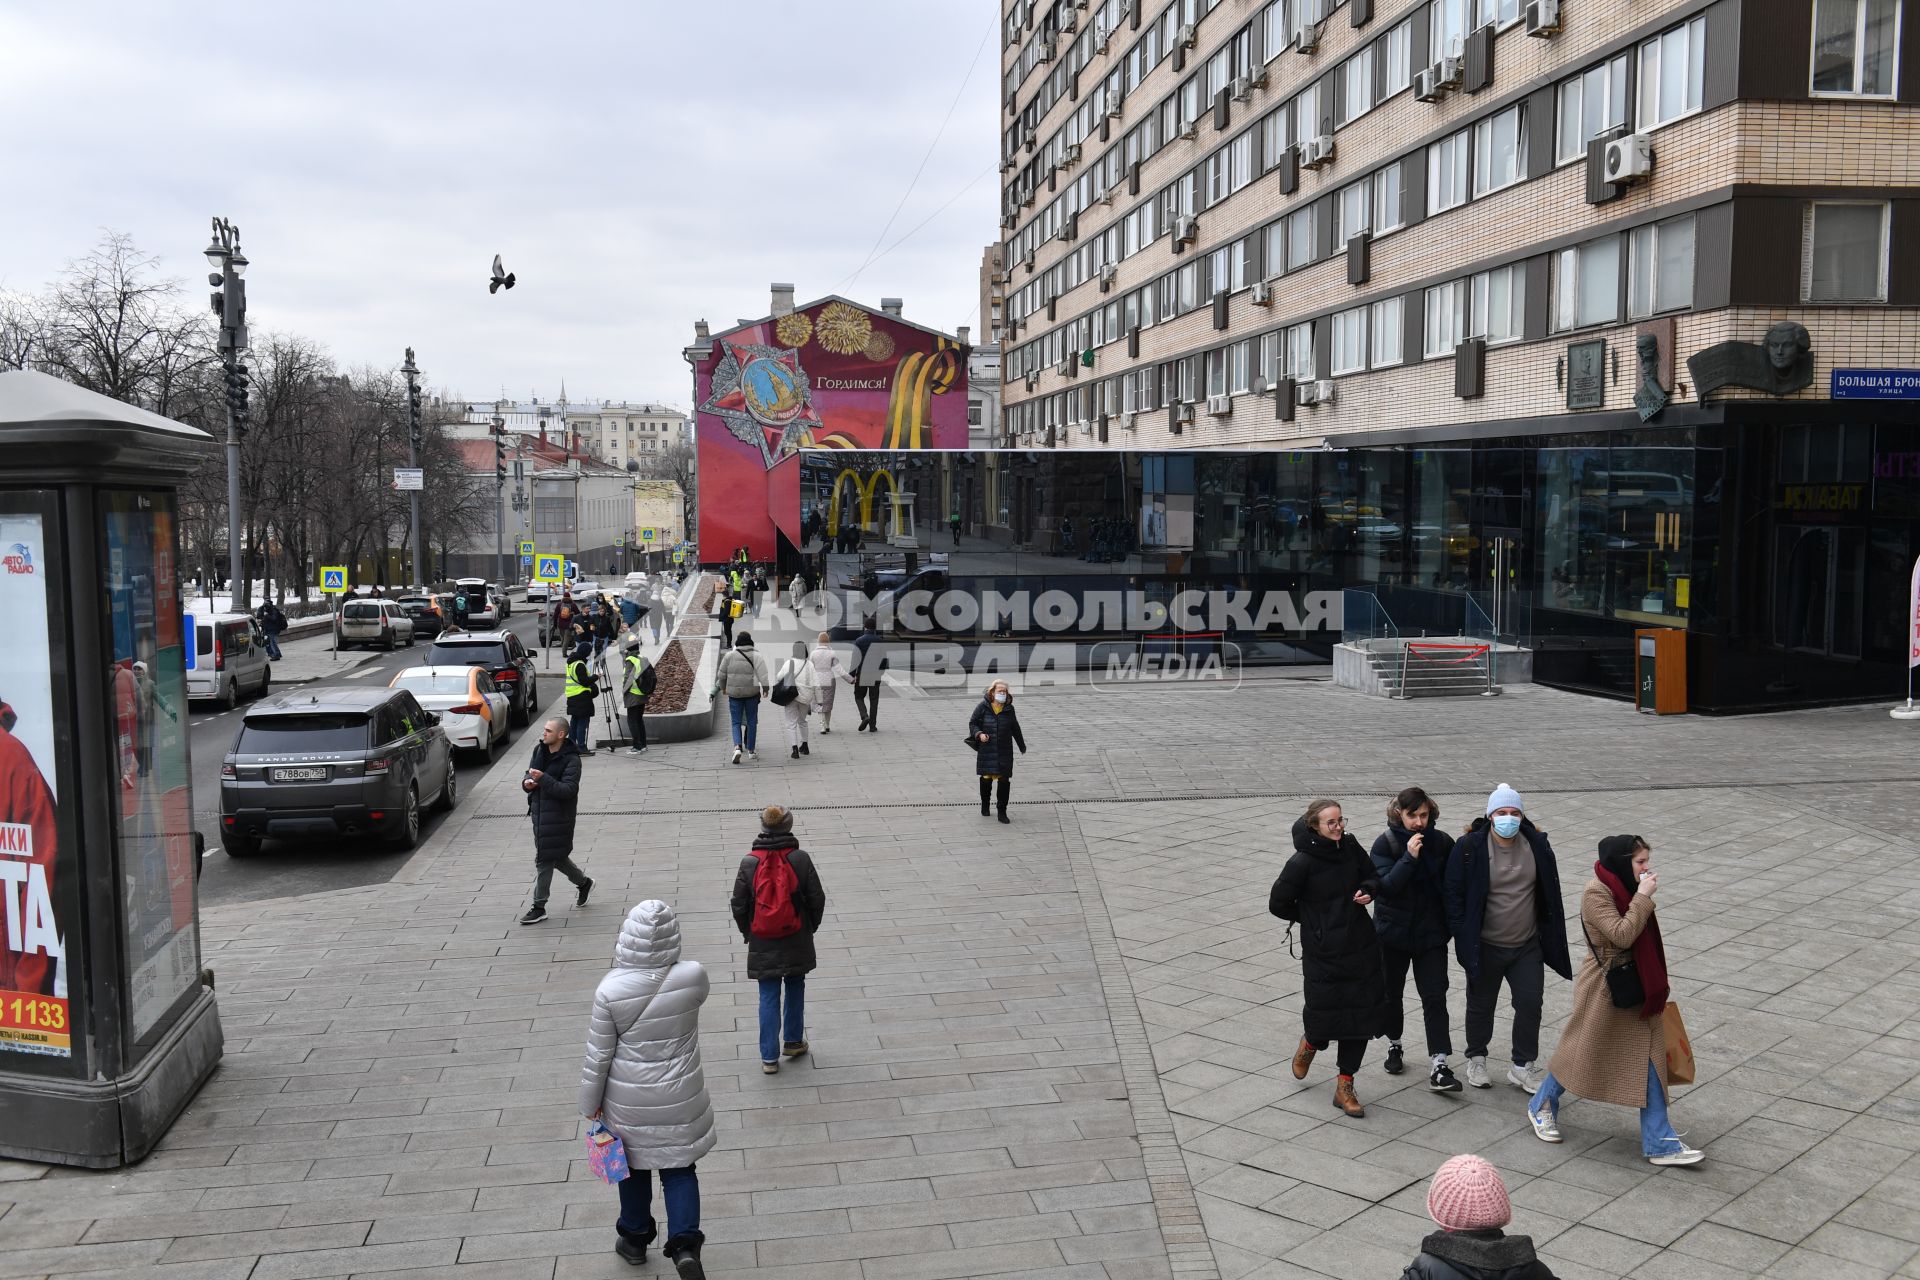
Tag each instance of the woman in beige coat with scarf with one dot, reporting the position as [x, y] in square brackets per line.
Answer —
[1608, 1053]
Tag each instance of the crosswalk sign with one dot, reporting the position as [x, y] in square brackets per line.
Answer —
[551, 569]
[619, 539]
[646, 535]
[679, 557]
[526, 548]
[333, 577]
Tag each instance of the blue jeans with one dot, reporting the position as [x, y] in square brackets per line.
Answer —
[273, 645]
[745, 713]
[796, 1028]
[1656, 1130]
[680, 1188]
[578, 730]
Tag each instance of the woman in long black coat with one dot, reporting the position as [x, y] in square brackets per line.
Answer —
[993, 733]
[1325, 888]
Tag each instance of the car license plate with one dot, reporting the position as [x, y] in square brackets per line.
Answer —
[299, 775]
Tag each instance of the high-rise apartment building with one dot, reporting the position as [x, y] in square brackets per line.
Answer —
[1628, 288]
[993, 282]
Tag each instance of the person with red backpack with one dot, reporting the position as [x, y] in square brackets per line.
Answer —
[778, 903]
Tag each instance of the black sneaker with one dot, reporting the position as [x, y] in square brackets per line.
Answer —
[804, 751]
[586, 887]
[1396, 1060]
[1441, 1080]
[793, 753]
[534, 915]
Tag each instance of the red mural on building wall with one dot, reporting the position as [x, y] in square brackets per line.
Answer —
[829, 375]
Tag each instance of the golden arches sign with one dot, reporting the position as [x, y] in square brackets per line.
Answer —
[864, 492]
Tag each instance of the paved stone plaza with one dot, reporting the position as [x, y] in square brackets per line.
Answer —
[1057, 1048]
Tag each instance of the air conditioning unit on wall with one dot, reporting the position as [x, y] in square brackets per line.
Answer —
[1242, 88]
[1320, 392]
[1262, 294]
[1543, 17]
[1630, 159]
[1426, 85]
[1126, 420]
[1186, 229]
[1219, 406]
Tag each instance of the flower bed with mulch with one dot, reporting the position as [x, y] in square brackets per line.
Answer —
[675, 680]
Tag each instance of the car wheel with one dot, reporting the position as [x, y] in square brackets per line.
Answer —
[266, 682]
[240, 846]
[408, 836]
[389, 645]
[229, 696]
[450, 793]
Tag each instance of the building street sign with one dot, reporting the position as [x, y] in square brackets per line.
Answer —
[1876, 384]
[333, 577]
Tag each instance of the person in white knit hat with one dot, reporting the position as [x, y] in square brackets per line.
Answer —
[1503, 909]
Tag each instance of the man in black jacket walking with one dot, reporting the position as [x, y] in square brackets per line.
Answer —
[867, 669]
[552, 784]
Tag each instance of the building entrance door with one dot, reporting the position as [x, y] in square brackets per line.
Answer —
[1819, 584]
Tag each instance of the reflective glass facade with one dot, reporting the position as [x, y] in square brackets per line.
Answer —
[1783, 545]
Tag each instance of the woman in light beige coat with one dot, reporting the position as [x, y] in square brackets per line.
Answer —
[1605, 1052]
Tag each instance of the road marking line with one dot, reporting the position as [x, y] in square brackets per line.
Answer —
[355, 675]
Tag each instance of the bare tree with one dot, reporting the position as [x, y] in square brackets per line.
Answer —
[22, 331]
[113, 326]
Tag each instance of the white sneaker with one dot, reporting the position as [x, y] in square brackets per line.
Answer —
[1523, 1075]
[1477, 1073]
[736, 755]
[1684, 1154]
[753, 755]
[1546, 1125]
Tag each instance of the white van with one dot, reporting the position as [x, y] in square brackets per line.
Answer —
[229, 658]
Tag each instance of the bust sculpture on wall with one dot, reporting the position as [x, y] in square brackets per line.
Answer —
[1779, 365]
[1650, 397]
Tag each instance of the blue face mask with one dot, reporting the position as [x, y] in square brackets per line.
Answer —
[1507, 826]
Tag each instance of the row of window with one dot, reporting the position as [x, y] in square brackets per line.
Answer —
[1479, 159]
[1844, 259]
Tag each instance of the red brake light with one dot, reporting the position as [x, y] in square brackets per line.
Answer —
[227, 770]
[470, 709]
[377, 767]
[219, 653]
[510, 673]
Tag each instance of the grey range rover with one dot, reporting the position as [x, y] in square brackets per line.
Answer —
[334, 762]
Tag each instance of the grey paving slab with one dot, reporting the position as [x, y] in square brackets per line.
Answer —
[1058, 1047]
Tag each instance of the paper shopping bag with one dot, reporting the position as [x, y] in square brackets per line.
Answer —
[605, 1154]
[1679, 1047]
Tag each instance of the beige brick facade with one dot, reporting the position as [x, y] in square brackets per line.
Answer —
[1705, 159]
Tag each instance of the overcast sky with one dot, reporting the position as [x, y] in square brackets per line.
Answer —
[639, 165]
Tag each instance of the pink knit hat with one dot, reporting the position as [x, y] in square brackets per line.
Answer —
[1467, 1195]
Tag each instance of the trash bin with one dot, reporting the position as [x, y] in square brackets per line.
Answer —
[1660, 671]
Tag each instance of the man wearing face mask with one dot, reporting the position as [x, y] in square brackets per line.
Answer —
[1503, 909]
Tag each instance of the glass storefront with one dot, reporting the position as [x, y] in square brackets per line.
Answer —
[1782, 546]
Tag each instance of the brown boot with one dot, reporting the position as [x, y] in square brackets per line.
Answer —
[1343, 1098]
[1302, 1059]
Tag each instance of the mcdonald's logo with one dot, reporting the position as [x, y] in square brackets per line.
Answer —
[864, 492]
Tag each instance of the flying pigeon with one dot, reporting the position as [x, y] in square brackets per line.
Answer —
[501, 276]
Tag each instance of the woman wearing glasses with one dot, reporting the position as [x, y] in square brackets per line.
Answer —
[1325, 889]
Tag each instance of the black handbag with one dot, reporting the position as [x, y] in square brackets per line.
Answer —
[784, 691]
[1623, 981]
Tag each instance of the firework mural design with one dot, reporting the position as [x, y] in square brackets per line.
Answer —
[843, 330]
[794, 330]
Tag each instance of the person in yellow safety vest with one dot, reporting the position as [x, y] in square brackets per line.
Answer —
[737, 582]
[634, 689]
[580, 690]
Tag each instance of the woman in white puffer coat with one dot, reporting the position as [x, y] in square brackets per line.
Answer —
[642, 1078]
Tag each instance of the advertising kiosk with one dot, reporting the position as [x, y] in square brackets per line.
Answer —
[106, 1028]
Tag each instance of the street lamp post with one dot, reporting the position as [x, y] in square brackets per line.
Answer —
[499, 498]
[413, 458]
[230, 304]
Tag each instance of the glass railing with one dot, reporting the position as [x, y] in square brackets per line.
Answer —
[1364, 620]
[1478, 627]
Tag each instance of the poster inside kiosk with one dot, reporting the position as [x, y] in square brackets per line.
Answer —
[33, 976]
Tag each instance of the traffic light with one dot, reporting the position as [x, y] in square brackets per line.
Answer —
[236, 378]
[413, 413]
